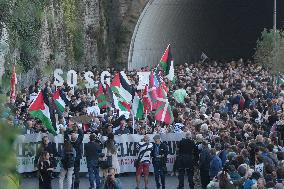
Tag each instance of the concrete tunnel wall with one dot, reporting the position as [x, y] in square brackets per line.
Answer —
[221, 28]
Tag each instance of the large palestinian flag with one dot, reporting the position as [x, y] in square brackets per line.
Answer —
[164, 111]
[121, 86]
[167, 63]
[58, 100]
[39, 109]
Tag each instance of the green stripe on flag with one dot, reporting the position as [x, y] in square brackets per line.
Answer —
[59, 106]
[45, 120]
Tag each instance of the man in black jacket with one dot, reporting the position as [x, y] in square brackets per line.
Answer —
[185, 157]
[159, 155]
[92, 151]
[204, 164]
[77, 137]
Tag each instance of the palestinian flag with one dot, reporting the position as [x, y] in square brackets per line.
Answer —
[167, 63]
[137, 107]
[121, 105]
[164, 111]
[121, 86]
[101, 97]
[58, 100]
[39, 109]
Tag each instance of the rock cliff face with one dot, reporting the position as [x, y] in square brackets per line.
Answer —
[79, 34]
[106, 27]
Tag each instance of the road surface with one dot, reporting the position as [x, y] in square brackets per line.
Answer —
[128, 182]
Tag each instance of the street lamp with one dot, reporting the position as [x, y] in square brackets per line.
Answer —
[275, 16]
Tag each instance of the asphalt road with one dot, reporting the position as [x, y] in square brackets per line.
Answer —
[128, 182]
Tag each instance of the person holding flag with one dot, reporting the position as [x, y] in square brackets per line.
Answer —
[40, 109]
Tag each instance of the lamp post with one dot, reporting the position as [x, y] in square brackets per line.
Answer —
[275, 16]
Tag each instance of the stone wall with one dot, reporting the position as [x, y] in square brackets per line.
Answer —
[106, 28]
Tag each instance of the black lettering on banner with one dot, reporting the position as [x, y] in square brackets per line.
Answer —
[135, 151]
[129, 149]
[121, 150]
[171, 147]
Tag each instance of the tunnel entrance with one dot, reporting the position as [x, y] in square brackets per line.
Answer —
[222, 29]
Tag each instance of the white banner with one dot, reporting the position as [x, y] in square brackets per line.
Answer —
[27, 146]
[143, 79]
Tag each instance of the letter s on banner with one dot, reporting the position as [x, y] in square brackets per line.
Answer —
[58, 80]
[90, 82]
[72, 78]
[105, 76]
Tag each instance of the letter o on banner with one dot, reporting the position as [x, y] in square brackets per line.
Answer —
[72, 78]
[58, 80]
[105, 76]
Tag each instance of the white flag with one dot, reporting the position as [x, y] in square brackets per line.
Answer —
[203, 57]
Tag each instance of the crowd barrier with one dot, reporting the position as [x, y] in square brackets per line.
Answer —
[27, 146]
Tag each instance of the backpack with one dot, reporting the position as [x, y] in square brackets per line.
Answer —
[68, 160]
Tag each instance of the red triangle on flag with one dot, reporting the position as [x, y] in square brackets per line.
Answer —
[38, 103]
[165, 55]
[115, 81]
[56, 95]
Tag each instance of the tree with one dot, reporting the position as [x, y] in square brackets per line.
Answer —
[8, 134]
[270, 51]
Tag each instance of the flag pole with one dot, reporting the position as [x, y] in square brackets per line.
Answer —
[145, 120]
[133, 122]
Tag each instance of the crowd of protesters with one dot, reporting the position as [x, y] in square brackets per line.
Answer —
[232, 114]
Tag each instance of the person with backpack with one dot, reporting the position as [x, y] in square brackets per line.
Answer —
[76, 140]
[110, 152]
[68, 156]
[92, 152]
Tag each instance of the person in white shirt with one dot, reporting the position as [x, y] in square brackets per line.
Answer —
[93, 109]
[144, 160]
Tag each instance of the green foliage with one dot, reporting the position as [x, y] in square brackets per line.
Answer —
[47, 71]
[270, 51]
[74, 31]
[8, 134]
[23, 19]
